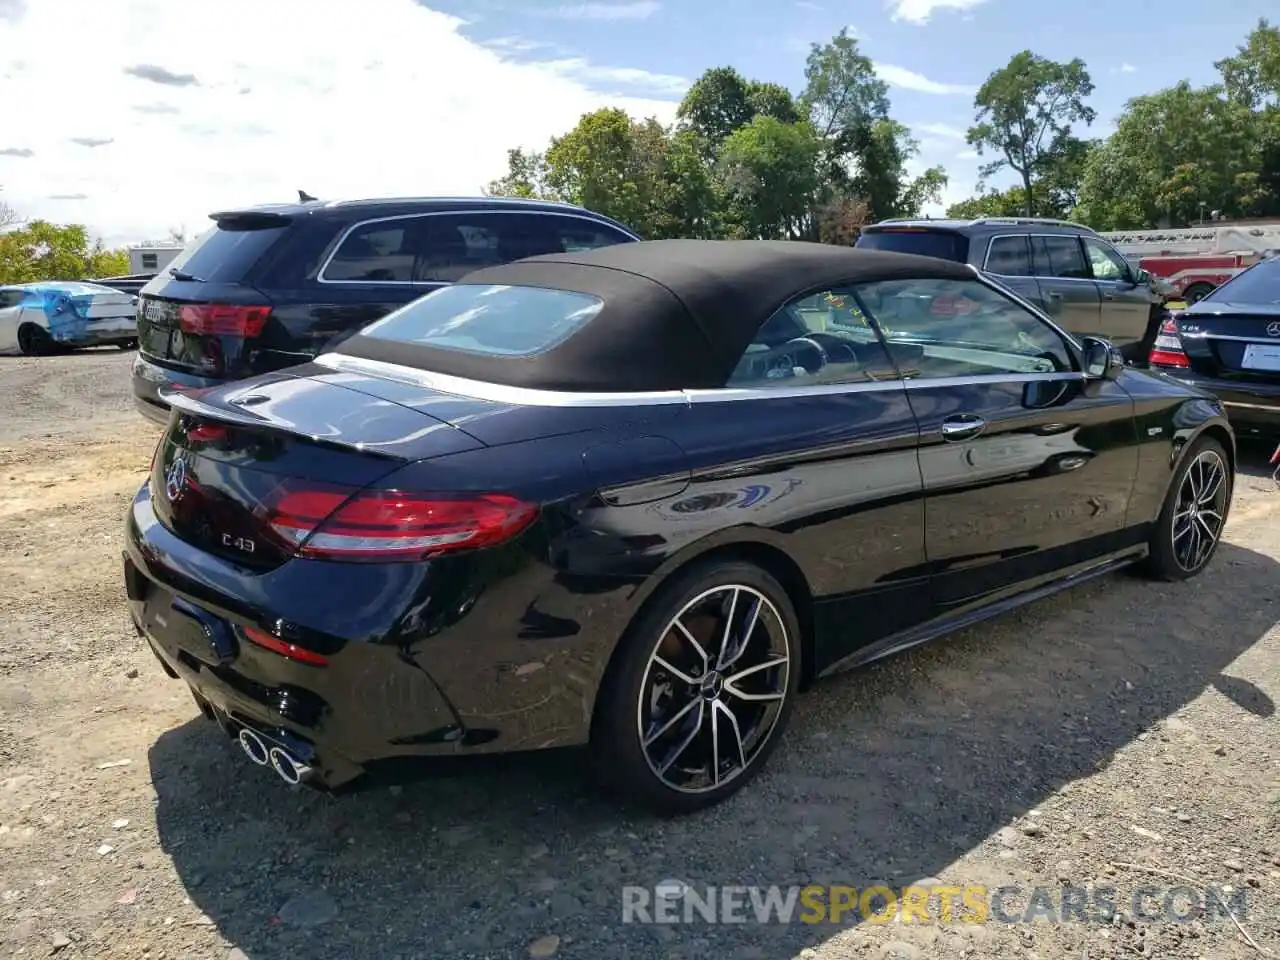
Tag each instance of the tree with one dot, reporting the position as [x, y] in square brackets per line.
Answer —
[769, 171]
[1025, 112]
[1252, 76]
[1207, 157]
[45, 251]
[526, 177]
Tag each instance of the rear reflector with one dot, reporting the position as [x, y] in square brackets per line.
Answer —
[1167, 350]
[283, 647]
[387, 525]
[222, 319]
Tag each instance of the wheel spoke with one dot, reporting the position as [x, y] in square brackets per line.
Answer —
[1212, 485]
[718, 707]
[693, 642]
[674, 671]
[683, 745]
[731, 683]
[1209, 532]
[748, 628]
[694, 703]
[727, 636]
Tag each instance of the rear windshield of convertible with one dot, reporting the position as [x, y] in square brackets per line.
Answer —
[489, 320]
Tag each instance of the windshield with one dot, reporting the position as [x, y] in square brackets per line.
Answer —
[1259, 284]
[489, 320]
[940, 244]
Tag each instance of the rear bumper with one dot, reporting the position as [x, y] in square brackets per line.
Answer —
[92, 333]
[424, 659]
[150, 378]
[1252, 408]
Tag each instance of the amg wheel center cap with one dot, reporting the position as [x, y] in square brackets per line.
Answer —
[712, 686]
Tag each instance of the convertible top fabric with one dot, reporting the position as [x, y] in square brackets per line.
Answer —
[677, 314]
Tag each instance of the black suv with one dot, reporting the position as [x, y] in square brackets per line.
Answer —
[271, 286]
[1066, 269]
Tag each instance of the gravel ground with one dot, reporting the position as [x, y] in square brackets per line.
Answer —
[1086, 740]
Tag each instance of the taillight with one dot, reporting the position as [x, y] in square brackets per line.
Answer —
[1167, 350]
[273, 643]
[386, 525]
[222, 319]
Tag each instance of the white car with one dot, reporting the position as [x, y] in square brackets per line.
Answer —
[42, 318]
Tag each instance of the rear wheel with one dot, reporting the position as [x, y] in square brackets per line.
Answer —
[126, 344]
[1190, 527]
[35, 341]
[1197, 291]
[700, 690]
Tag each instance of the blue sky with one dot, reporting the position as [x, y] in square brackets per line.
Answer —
[420, 97]
[942, 49]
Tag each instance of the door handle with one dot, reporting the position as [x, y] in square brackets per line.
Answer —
[1054, 295]
[963, 426]
[1108, 296]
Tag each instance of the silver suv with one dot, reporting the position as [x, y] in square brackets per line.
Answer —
[1064, 268]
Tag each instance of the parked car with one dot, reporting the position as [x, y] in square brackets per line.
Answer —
[269, 287]
[132, 284]
[1067, 270]
[1228, 342]
[47, 317]
[439, 537]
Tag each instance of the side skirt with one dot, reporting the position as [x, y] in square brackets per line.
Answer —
[916, 636]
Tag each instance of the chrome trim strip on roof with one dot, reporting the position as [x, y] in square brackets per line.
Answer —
[565, 214]
[531, 397]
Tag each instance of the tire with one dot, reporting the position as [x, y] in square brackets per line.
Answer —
[1197, 291]
[1172, 557]
[126, 344]
[35, 341]
[674, 773]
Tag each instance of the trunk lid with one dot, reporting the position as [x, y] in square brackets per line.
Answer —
[202, 313]
[232, 454]
[1232, 341]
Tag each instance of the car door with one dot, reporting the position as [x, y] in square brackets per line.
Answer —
[1067, 291]
[1027, 466]
[813, 442]
[10, 318]
[1126, 305]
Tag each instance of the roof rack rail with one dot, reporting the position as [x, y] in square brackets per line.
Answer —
[1054, 221]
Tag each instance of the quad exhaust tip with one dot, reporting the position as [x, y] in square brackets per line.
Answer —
[254, 747]
[291, 770]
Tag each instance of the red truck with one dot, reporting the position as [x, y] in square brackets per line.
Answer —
[1194, 260]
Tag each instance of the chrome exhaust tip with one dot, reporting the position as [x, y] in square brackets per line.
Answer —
[254, 747]
[291, 771]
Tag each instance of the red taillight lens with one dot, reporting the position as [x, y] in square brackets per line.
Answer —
[1167, 350]
[386, 525]
[283, 647]
[222, 319]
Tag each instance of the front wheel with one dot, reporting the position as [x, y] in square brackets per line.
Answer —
[35, 341]
[701, 689]
[1195, 510]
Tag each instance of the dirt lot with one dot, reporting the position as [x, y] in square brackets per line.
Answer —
[1124, 723]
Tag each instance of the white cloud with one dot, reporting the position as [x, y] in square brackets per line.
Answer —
[938, 131]
[1128, 68]
[639, 10]
[395, 101]
[967, 155]
[910, 80]
[921, 11]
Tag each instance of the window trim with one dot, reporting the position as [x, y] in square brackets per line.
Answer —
[1077, 237]
[532, 397]
[320, 277]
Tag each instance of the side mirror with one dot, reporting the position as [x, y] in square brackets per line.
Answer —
[1102, 361]
[1141, 276]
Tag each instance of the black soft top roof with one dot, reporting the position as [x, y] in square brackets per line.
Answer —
[677, 314]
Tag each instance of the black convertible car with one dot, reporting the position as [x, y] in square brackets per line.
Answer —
[638, 498]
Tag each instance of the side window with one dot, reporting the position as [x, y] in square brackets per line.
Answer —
[1010, 257]
[10, 298]
[820, 339]
[961, 328]
[578, 235]
[1059, 258]
[1107, 264]
[378, 251]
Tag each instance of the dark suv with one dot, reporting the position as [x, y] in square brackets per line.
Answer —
[269, 287]
[1066, 269]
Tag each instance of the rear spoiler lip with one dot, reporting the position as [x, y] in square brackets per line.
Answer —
[251, 219]
[189, 402]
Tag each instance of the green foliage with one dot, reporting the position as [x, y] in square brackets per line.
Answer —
[744, 158]
[749, 159]
[45, 251]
